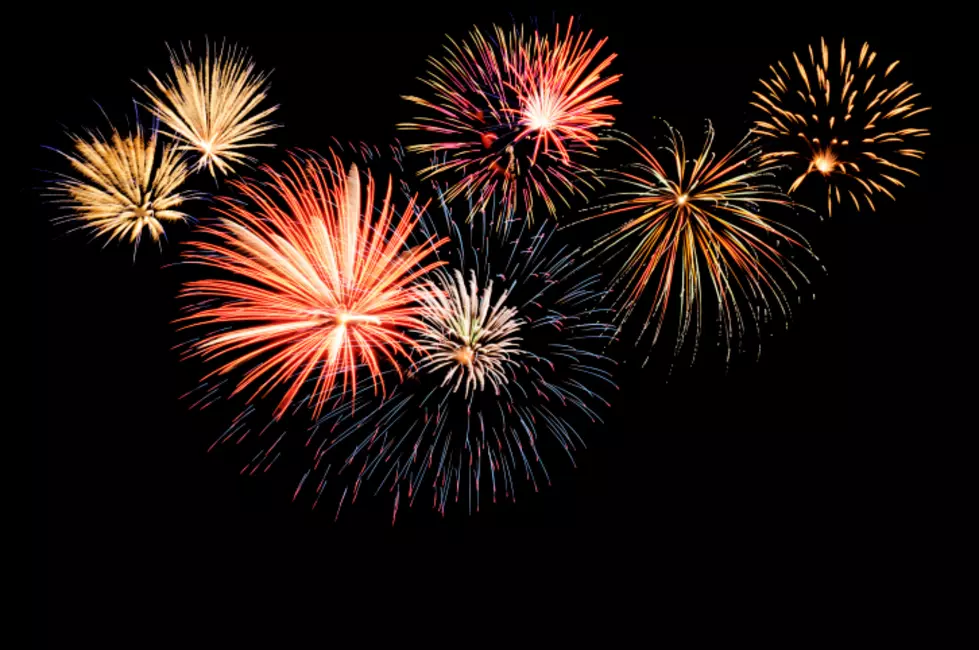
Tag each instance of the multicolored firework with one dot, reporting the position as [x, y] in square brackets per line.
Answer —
[700, 220]
[841, 120]
[516, 115]
[210, 106]
[467, 335]
[126, 185]
[429, 431]
[308, 284]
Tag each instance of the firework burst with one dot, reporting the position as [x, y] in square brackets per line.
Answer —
[841, 120]
[537, 345]
[559, 88]
[467, 335]
[309, 284]
[516, 115]
[697, 222]
[125, 185]
[210, 106]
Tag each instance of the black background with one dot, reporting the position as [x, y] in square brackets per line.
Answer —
[827, 438]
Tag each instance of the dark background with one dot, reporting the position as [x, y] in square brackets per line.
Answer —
[827, 439]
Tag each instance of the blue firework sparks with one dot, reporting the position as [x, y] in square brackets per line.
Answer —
[463, 444]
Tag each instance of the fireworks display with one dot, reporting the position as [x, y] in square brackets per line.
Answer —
[450, 357]
[307, 282]
[432, 432]
[515, 115]
[696, 222]
[211, 106]
[840, 119]
[125, 186]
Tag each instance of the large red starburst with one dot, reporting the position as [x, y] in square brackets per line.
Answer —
[312, 281]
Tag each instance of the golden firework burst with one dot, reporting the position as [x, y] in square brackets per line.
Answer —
[700, 226]
[211, 106]
[125, 185]
[841, 120]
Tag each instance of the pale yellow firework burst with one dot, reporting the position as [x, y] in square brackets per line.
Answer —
[468, 333]
[125, 185]
[842, 120]
[211, 106]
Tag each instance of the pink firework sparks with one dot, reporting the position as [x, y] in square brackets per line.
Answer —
[516, 115]
[559, 92]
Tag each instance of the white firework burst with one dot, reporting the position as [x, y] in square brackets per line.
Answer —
[211, 105]
[467, 334]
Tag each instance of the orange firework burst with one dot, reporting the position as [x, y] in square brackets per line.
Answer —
[516, 115]
[696, 222]
[840, 120]
[315, 285]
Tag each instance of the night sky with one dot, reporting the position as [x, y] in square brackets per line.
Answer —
[822, 438]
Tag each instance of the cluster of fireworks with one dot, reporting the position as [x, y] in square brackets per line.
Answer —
[441, 346]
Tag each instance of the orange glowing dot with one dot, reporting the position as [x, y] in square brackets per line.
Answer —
[824, 162]
[464, 355]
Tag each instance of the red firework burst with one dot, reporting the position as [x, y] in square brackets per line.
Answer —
[515, 114]
[558, 92]
[314, 285]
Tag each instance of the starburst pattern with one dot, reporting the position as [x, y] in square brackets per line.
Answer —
[515, 115]
[469, 334]
[701, 222]
[125, 185]
[308, 283]
[842, 120]
[211, 106]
